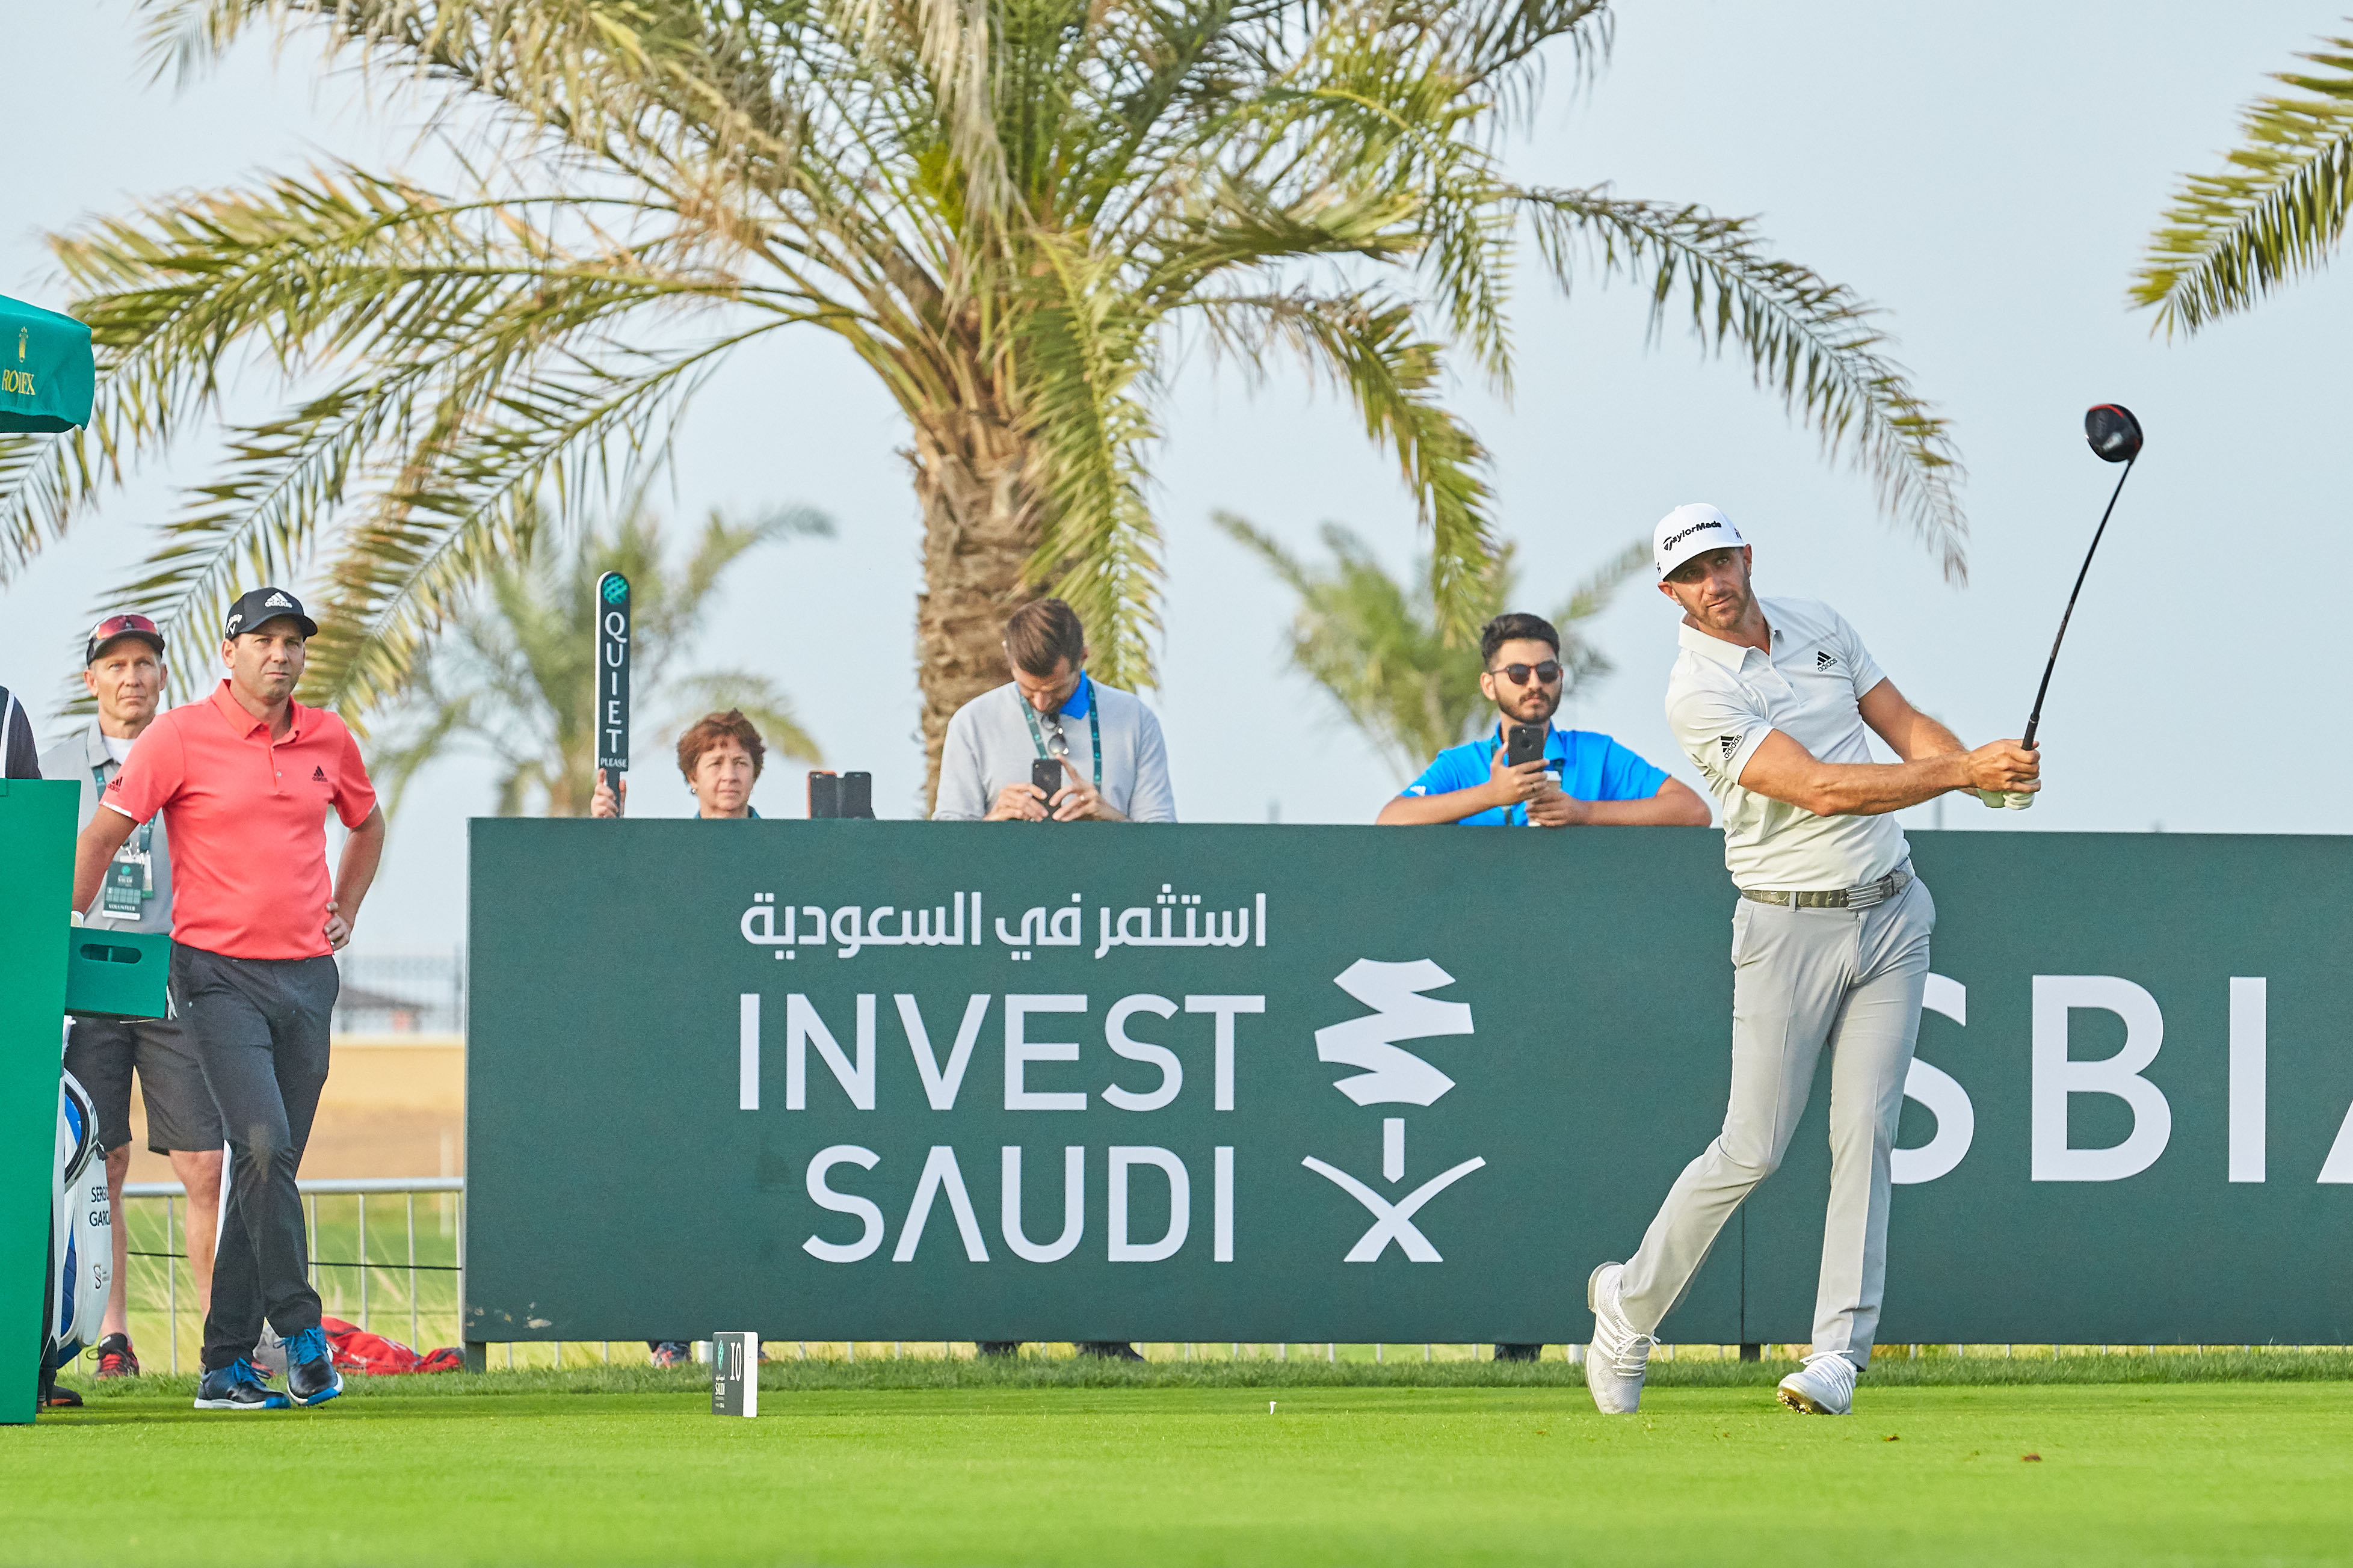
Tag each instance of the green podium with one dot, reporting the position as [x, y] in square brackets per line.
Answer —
[50, 968]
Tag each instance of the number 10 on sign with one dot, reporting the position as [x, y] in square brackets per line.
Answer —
[613, 672]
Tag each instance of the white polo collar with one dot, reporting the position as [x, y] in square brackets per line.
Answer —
[1731, 655]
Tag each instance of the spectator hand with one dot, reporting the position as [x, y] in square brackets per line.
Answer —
[1018, 803]
[339, 929]
[1509, 786]
[611, 799]
[1555, 809]
[1079, 801]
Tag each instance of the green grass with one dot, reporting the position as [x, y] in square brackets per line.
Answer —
[1056, 1462]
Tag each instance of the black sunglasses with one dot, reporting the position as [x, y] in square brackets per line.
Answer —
[1547, 672]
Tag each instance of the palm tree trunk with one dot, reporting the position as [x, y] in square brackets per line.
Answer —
[981, 523]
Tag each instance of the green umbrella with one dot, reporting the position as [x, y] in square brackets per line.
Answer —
[47, 376]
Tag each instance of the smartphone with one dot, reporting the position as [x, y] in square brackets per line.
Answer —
[1047, 773]
[823, 794]
[1522, 743]
[855, 796]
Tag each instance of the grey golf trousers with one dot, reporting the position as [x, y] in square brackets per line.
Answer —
[1849, 979]
[259, 1027]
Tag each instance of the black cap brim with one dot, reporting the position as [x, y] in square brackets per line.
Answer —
[309, 627]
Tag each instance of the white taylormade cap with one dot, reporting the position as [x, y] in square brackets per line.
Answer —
[1689, 529]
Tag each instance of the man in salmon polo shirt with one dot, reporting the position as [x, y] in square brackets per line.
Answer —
[245, 778]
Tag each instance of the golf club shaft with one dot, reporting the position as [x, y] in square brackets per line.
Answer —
[2034, 718]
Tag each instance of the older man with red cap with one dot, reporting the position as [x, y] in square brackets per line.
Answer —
[123, 672]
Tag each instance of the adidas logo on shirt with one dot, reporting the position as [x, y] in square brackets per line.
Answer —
[318, 776]
[1823, 661]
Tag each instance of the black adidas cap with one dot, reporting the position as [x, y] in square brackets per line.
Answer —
[259, 605]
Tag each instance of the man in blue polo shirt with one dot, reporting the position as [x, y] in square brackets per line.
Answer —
[1583, 779]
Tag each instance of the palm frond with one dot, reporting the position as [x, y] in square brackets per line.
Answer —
[426, 538]
[1579, 655]
[1377, 645]
[1815, 343]
[1592, 596]
[1099, 547]
[1368, 346]
[512, 677]
[2277, 212]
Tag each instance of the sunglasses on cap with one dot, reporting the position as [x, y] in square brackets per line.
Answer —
[113, 626]
[1517, 674]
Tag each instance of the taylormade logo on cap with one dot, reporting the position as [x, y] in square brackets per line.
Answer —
[1687, 532]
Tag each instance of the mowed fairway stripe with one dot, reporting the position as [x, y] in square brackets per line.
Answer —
[2140, 1473]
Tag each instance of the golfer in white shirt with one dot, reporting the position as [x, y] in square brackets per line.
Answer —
[1829, 941]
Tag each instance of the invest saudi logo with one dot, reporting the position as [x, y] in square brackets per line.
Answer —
[1389, 1075]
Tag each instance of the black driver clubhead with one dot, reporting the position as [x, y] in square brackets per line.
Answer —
[2113, 432]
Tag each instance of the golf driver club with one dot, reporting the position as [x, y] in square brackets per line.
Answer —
[2115, 436]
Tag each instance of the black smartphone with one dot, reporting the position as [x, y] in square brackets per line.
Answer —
[1047, 773]
[1522, 743]
[823, 794]
[856, 796]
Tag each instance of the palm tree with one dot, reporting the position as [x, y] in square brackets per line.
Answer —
[1378, 646]
[2278, 209]
[515, 677]
[1017, 214]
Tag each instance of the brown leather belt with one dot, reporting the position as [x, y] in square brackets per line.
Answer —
[1860, 898]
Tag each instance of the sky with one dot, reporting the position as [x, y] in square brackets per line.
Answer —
[1989, 174]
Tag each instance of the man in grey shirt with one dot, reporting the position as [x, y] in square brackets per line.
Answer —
[1113, 763]
[1107, 742]
[122, 668]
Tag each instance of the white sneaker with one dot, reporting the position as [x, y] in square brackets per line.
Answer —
[1824, 1387]
[1619, 1358]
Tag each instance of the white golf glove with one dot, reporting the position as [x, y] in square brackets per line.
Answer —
[2015, 800]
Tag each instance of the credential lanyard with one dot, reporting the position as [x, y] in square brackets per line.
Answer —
[1094, 734]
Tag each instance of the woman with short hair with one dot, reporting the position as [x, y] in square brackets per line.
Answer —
[719, 756]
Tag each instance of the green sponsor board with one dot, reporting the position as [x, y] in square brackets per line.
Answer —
[878, 1081]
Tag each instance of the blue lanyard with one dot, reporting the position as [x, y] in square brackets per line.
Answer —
[1094, 733]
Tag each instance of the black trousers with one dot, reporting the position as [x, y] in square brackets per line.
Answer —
[259, 1027]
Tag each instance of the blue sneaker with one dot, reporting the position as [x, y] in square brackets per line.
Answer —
[236, 1386]
[311, 1374]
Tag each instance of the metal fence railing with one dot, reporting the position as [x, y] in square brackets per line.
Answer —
[402, 993]
[379, 1259]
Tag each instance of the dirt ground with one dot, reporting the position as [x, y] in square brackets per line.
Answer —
[394, 1106]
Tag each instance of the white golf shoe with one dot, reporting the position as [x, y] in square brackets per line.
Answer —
[1619, 1358]
[1824, 1386]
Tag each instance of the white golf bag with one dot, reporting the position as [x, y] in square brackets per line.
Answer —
[81, 1232]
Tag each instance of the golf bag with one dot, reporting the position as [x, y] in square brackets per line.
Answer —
[81, 1232]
